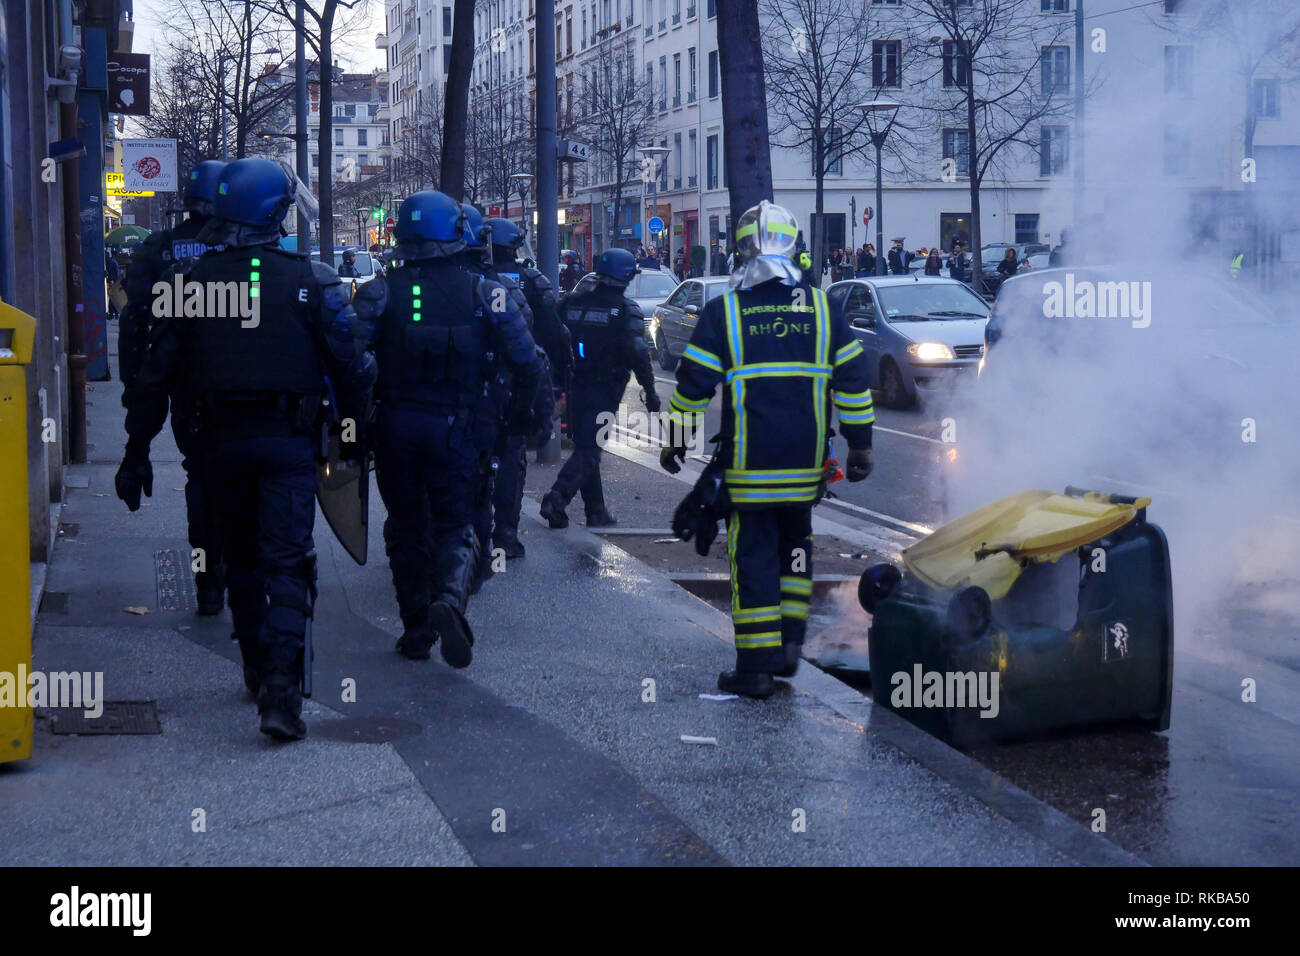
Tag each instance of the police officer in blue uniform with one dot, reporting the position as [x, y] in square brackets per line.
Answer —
[258, 380]
[608, 337]
[785, 358]
[438, 332]
[552, 338]
[159, 257]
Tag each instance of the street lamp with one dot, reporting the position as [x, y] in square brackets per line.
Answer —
[655, 154]
[879, 116]
[522, 181]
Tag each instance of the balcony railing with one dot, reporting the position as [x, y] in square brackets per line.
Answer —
[690, 97]
[663, 25]
[677, 101]
[690, 181]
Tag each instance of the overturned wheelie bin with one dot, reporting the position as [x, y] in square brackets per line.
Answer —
[1038, 612]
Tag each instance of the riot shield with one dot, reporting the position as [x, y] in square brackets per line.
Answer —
[343, 490]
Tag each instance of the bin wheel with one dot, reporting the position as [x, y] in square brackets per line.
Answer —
[970, 612]
[876, 584]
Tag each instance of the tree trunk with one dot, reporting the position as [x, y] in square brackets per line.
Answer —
[456, 105]
[325, 143]
[748, 159]
[976, 266]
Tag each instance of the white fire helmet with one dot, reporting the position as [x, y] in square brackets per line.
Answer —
[766, 230]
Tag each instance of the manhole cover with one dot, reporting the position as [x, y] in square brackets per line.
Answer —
[119, 717]
[175, 582]
[366, 730]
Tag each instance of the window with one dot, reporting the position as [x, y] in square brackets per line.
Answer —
[1177, 151]
[361, 137]
[886, 63]
[373, 110]
[446, 58]
[315, 160]
[713, 74]
[690, 83]
[1056, 70]
[663, 83]
[663, 166]
[568, 35]
[711, 163]
[956, 67]
[584, 28]
[677, 79]
[956, 145]
[711, 9]
[1171, 6]
[1178, 69]
[649, 18]
[363, 159]
[350, 109]
[532, 52]
[1055, 6]
[692, 162]
[663, 15]
[1266, 99]
[888, 3]
[338, 137]
[649, 87]
[677, 12]
[1053, 150]
[1026, 227]
[690, 9]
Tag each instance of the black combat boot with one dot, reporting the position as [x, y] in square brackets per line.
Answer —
[279, 694]
[746, 683]
[553, 510]
[599, 517]
[210, 592]
[457, 558]
[508, 541]
[416, 642]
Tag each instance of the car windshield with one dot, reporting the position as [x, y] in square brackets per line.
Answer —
[713, 289]
[363, 266]
[655, 285]
[926, 300]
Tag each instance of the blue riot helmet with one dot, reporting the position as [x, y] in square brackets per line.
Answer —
[506, 234]
[251, 200]
[201, 186]
[430, 225]
[616, 267]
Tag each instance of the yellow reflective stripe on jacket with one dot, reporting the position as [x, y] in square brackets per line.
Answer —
[822, 318]
[792, 584]
[751, 642]
[681, 403]
[848, 352]
[736, 345]
[734, 476]
[703, 357]
[754, 615]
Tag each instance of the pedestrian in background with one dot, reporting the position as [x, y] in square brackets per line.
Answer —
[1009, 265]
[933, 262]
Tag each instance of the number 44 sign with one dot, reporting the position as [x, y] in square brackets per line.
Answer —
[149, 164]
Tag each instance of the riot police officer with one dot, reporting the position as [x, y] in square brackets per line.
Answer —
[608, 335]
[439, 329]
[789, 358]
[255, 378]
[159, 257]
[552, 337]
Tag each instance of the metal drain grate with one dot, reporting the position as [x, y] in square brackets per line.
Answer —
[54, 602]
[175, 582]
[119, 717]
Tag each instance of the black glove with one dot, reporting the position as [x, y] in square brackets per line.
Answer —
[652, 401]
[669, 456]
[133, 476]
[860, 464]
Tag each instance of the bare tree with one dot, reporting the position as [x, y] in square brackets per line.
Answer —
[418, 163]
[818, 59]
[498, 146]
[984, 73]
[614, 120]
[744, 105]
[1256, 36]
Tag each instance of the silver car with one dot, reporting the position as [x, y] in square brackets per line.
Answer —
[917, 331]
[648, 289]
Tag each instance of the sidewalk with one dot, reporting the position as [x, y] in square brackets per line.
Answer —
[547, 731]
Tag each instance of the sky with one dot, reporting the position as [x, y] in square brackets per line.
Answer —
[359, 57]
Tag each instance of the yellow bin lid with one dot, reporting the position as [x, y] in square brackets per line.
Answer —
[990, 546]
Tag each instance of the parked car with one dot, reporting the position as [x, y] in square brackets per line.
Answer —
[649, 288]
[674, 321]
[917, 331]
[991, 255]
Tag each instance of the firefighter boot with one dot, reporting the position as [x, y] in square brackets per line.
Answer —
[746, 683]
[793, 654]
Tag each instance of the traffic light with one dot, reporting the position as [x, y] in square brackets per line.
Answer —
[377, 213]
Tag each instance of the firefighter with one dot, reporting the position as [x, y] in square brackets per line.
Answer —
[785, 357]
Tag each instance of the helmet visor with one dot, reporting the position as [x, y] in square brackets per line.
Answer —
[302, 194]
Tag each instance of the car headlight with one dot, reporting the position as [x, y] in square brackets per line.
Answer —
[930, 351]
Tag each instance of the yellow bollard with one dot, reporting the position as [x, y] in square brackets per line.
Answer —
[17, 333]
